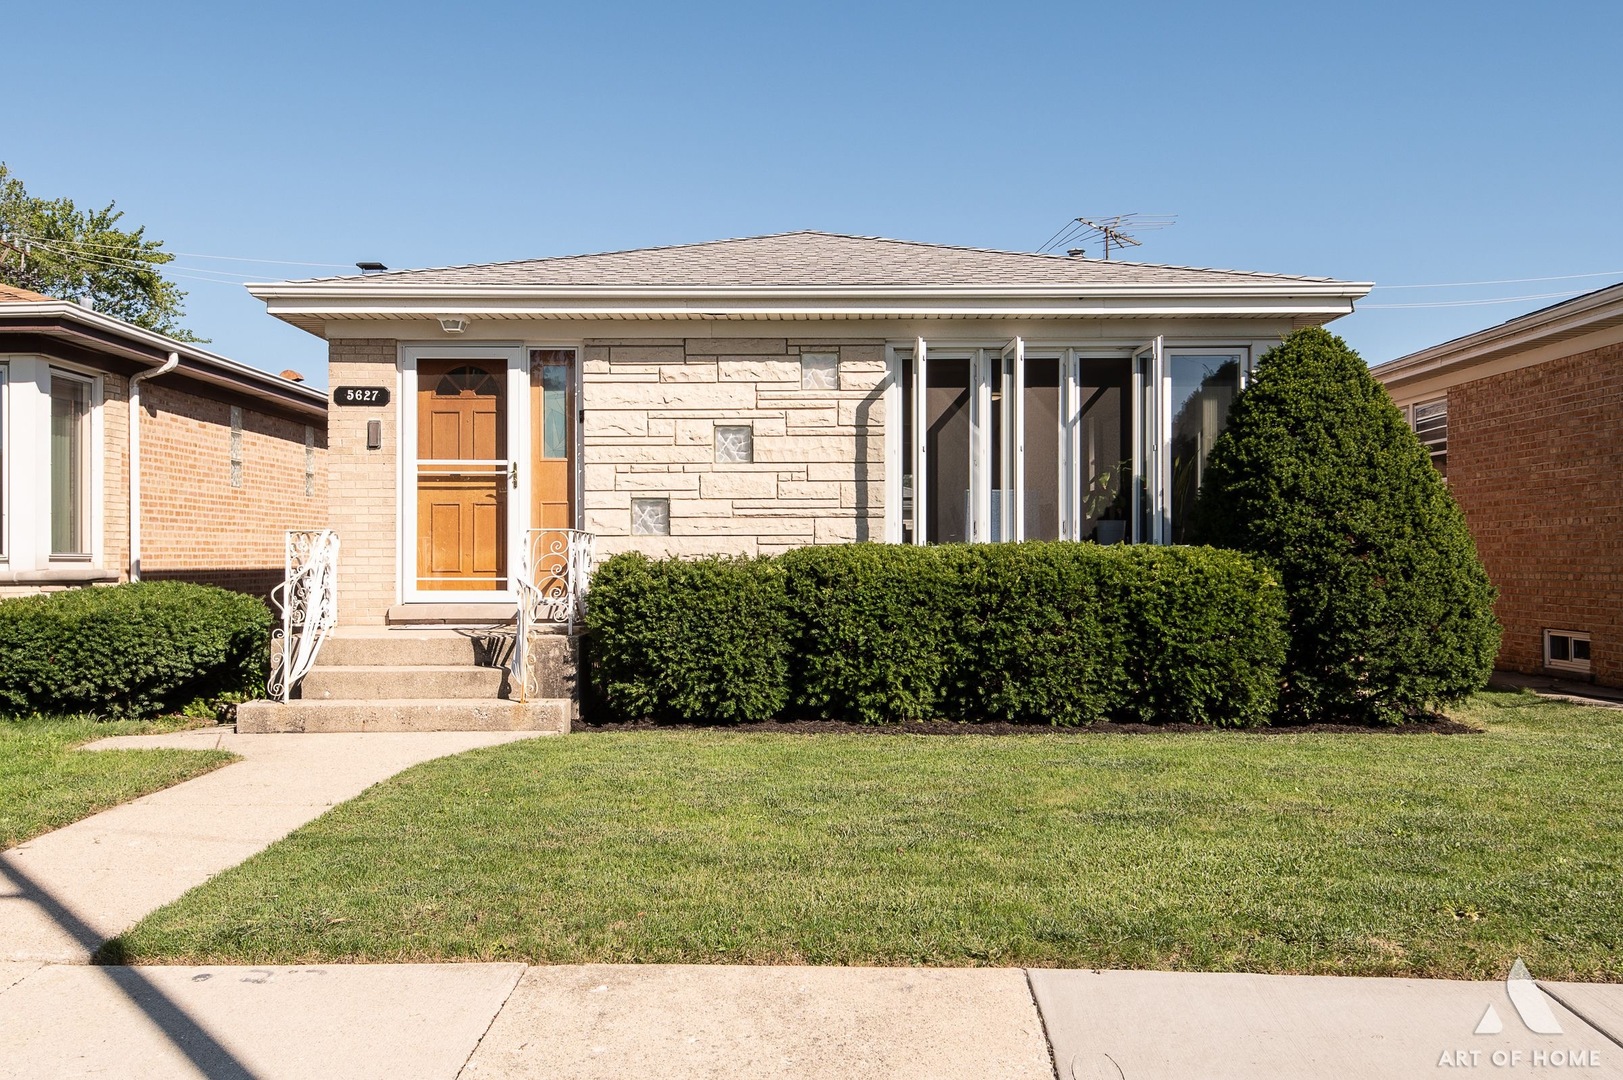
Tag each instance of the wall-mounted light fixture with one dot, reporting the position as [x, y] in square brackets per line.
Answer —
[453, 324]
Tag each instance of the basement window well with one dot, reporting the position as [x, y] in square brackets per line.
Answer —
[1566, 650]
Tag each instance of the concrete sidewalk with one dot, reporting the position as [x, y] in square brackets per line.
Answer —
[444, 1022]
[64, 893]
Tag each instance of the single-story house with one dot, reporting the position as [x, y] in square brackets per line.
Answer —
[1525, 419]
[752, 395]
[125, 454]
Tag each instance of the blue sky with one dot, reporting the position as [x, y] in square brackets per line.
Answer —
[1405, 143]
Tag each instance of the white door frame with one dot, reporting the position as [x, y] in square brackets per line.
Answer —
[518, 432]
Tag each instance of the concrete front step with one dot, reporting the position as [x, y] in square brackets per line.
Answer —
[378, 647]
[378, 683]
[264, 717]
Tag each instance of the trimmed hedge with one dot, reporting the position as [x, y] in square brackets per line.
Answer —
[131, 650]
[1318, 475]
[703, 640]
[1057, 633]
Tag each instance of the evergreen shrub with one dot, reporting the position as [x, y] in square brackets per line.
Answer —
[131, 650]
[1051, 633]
[1318, 475]
[703, 640]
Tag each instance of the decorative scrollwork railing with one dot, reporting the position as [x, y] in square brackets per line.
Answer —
[308, 601]
[554, 569]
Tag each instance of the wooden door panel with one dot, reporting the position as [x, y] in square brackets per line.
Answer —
[444, 537]
[461, 516]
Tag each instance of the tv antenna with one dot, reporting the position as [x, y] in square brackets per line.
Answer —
[1109, 232]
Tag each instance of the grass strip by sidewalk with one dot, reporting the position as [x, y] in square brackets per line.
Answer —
[1375, 854]
[45, 783]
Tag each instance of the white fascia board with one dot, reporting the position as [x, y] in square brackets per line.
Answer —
[1313, 299]
[317, 291]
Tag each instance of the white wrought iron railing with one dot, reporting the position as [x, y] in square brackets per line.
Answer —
[554, 570]
[308, 601]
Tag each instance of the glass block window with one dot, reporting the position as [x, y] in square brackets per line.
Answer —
[309, 460]
[236, 446]
[735, 445]
[650, 517]
[819, 371]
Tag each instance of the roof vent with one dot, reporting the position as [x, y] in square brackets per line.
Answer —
[87, 301]
[1078, 253]
[371, 267]
[292, 376]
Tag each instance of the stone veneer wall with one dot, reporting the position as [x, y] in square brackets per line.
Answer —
[650, 409]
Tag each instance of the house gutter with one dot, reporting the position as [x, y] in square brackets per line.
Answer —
[135, 457]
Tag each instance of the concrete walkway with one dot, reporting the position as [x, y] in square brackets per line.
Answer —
[64, 893]
[467, 1021]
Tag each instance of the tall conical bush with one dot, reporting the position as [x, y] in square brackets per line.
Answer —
[1391, 612]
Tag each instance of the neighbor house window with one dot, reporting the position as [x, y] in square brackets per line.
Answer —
[1431, 424]
[5, 461]
[735, 445]
[70, 464]
[1566, 650]
[650, 517]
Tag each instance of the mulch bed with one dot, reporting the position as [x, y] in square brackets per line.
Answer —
[1438, 726]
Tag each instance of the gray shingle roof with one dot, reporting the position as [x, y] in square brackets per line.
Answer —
[818, 259]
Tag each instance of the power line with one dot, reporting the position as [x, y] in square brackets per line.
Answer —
[1505, 281]
[163, 269]
[181, 254]
[1477, 303]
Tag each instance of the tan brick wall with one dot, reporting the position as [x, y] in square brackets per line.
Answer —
[363, 482]
[1535, 458]
[195, 524]
[650, 412]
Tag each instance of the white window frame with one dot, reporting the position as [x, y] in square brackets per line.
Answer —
[1003, 362]
[1582, 667]
[5, 462]
[95, 495]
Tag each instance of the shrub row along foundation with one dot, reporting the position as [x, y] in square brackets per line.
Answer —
[131, 650]
[1052, 633]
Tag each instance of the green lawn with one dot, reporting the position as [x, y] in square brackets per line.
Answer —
[1331, 853]
[45, 783]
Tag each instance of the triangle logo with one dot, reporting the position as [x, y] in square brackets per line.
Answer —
[1490, 1024]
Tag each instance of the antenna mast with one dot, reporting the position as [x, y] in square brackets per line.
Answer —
[1110, 232]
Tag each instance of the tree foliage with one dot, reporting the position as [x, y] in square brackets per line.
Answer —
[53, 247]
[1391, 612]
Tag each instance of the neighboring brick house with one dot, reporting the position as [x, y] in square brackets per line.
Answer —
[1526, 421]
[748, 396]
[228, 457]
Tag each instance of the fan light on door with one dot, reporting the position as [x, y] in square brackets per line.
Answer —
[453, 324]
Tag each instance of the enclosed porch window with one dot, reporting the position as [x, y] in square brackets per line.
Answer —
[1029, 441]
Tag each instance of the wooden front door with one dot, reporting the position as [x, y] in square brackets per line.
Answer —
[462, 475]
